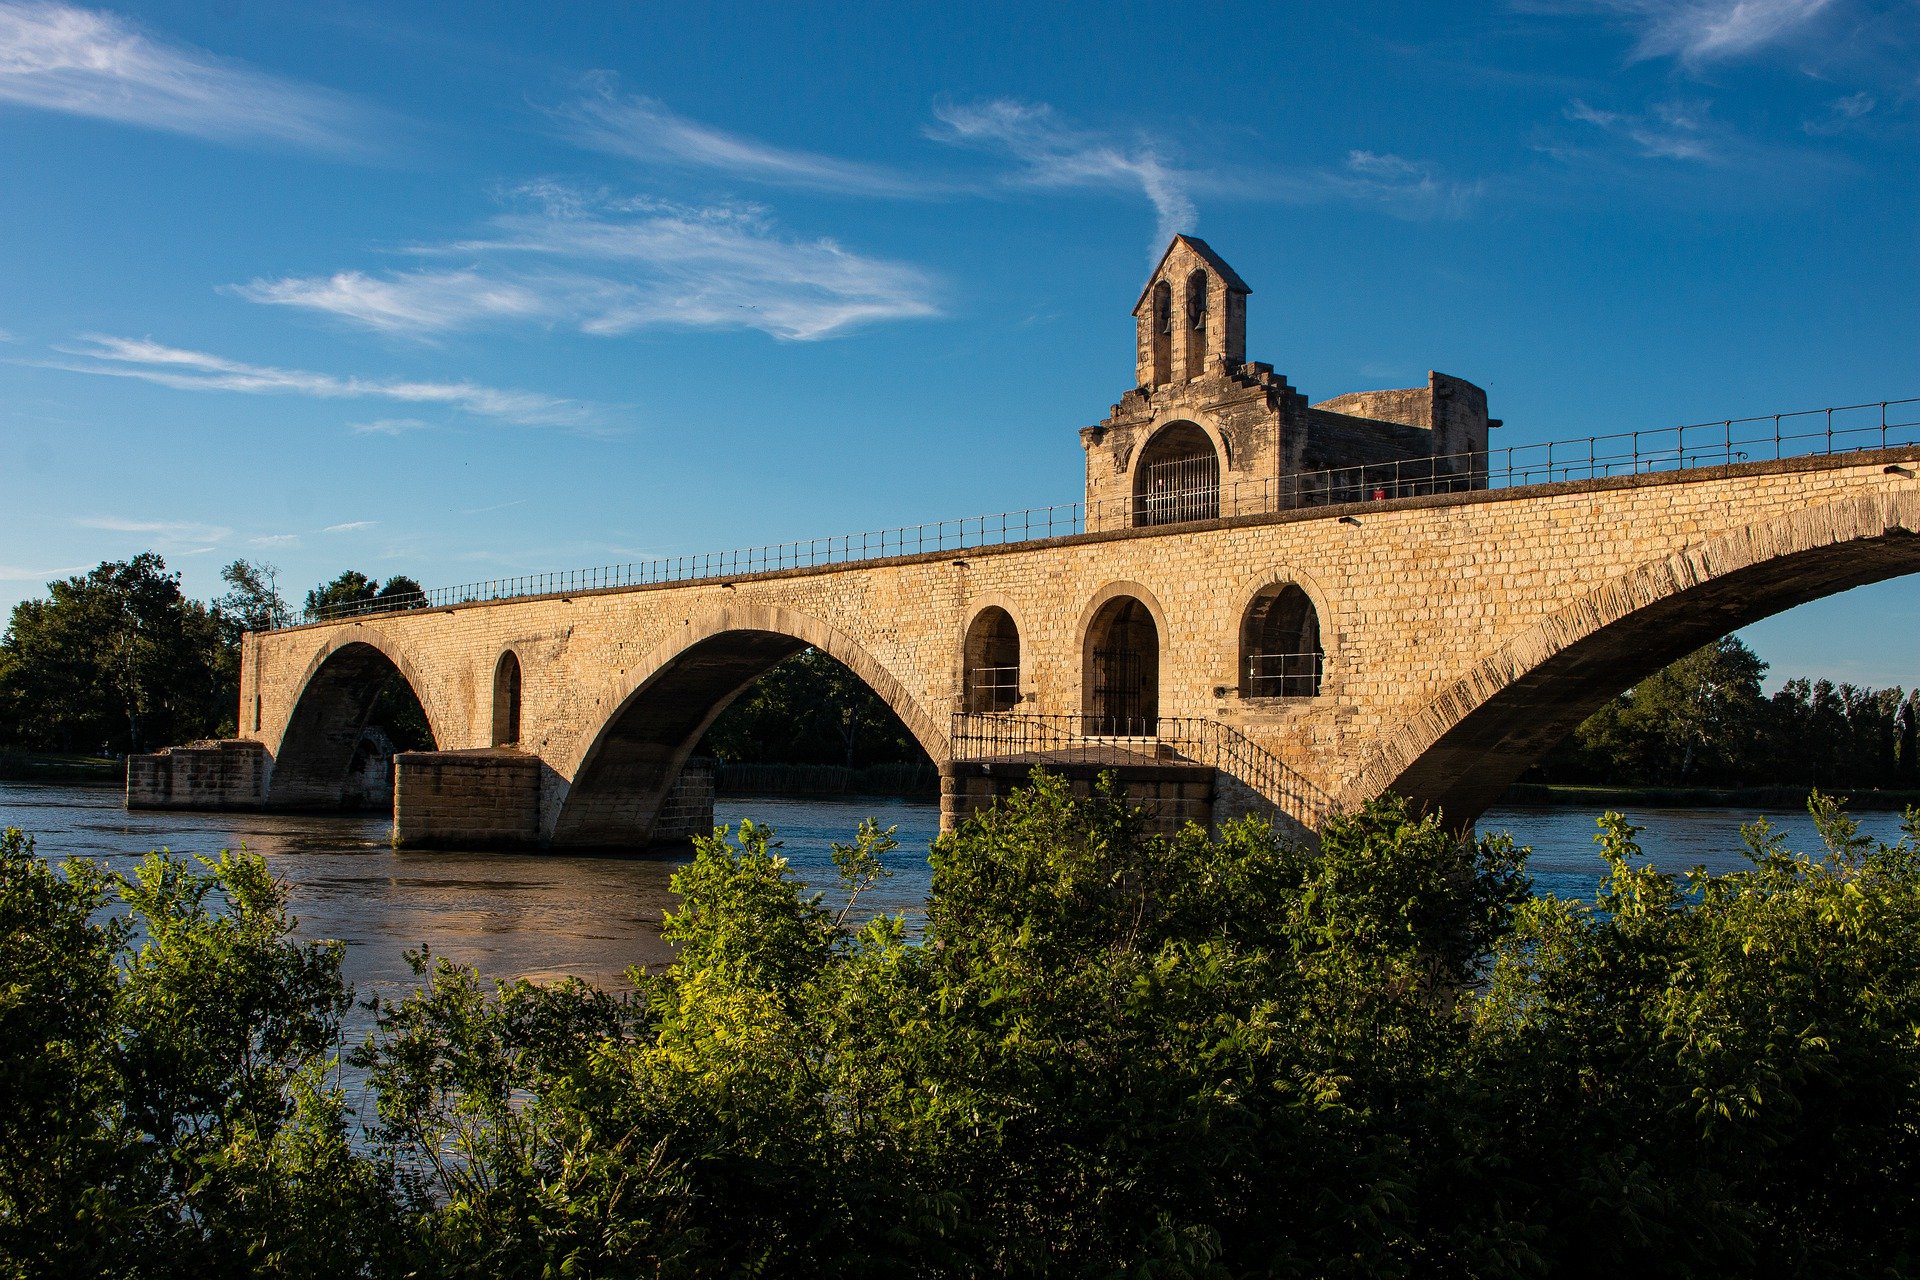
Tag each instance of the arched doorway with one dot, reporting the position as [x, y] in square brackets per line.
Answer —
[1280, 650]
[992, 662]
[506, 700]
[1122, 673]
[1178, 477]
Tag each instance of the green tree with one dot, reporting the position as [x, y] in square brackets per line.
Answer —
[116, 659]
[165, 1052]
[1696, 720]
[349, 588]
[252, 601]
[810, 709]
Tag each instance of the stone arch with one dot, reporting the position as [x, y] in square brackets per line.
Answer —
[1176, 474]
[1467, 744]
[1123, 638]
[621, 773]
[507, 690]
[1194, 310]
[329, 717]
[990, 660]
[1281, 643]
[1160, 333]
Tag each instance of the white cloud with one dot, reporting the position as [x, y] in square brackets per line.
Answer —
[149, 361]
[58, 57]
[14, 573]
[1712, 30]
[170, 530]
[1056, 155]
[350, 526]
[275, 540]
[1666, 131]
[1841, 114]
[642, 128]
[409, 302]
[388, 426]
[609, 266]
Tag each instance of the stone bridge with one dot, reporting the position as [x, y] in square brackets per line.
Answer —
[1276, 607]
[1454, 638]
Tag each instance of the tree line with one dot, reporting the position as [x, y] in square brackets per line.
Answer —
[118, 659]
[1706, 720]
[1106, 1053]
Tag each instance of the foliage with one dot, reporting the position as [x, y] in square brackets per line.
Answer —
[164, 1052]
[116, 660]
[1107, 1053]
[252, 601]
[354, 587]
[1715, 1074]
[1704, 720]
[810, 709]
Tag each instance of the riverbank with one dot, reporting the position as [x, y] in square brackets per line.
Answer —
[1533, 794]
[67, 770]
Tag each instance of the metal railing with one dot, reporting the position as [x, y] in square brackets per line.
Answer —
[1811, 433]
[1100, 741]
[993, 688]
[1283, 675]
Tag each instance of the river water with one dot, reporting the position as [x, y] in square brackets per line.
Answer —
[544, 915]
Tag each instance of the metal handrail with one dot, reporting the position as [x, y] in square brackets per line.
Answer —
[1099, 741]
[1808, 433]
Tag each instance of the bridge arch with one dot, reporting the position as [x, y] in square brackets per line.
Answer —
[1468, 743]
[323, 733]
[624, 770]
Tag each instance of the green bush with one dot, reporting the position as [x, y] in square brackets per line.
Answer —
[1107, 1053]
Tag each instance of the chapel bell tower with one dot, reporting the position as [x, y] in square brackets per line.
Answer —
[1191, 318]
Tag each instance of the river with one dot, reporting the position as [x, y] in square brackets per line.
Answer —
[543, 915]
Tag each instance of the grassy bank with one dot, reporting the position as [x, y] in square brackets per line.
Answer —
[85, 771]
[1791, 797]
[918, 781]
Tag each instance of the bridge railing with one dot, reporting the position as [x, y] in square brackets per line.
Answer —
[1811, 433]
[1106, 742]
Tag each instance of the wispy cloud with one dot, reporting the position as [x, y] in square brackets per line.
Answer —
[275, 540]
[389, 426]
[1841, 114]
[59, 57]
[171, 530]
[184, 370]
[350, 526]
[1666, 130]
[642, 128]
[14, 573]
[612, 266]
[1054, 154]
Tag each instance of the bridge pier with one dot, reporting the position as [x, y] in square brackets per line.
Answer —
[229, 773]
[489, 798]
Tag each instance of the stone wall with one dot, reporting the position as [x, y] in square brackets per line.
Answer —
[485, 799]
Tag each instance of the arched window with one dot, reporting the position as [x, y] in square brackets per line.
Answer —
[992, 662]
[1162, 334]
[1196, 324]
[1122, 675]
[506, 700]
[1178, 477]
[1280, 652]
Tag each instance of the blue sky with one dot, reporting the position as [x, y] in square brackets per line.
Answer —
[466, 291]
